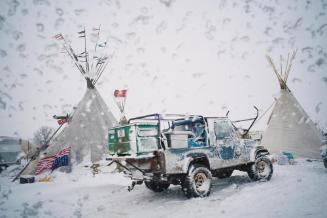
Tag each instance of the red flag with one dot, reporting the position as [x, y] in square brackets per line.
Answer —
[120, 93]
[61, 121]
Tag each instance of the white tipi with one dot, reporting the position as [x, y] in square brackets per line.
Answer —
[289, 127]
[87, 127]
[86, 133]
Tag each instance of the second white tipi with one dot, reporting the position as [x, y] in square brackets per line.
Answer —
[289, 127]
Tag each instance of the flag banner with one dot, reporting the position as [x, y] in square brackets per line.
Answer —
[102, 45]
[44, 164]
[60, 161]
[53, 162]
[61, 121]
[59, 36]
[100, 61]
[120, 93]
[96, 28]
[62, 158]
[83, 54]
[82, 34]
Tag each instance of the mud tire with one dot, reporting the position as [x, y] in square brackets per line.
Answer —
[261, 169]
[197, 182]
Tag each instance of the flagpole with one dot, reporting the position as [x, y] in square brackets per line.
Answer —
[95, 47]
[86, 61]
[69, 50]
[71, 55]
[96, 44]
[37, 153]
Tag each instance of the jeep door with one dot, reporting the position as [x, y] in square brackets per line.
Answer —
[181, 146]
[228, 147]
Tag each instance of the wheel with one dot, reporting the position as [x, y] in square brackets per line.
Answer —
[197, 182]
[261, 169]
[224, 174]
[325, 163]
[156, 186]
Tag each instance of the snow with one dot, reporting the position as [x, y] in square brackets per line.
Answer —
[168, 55]
[294, 191]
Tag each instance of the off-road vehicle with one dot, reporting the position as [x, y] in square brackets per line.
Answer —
[160, 150]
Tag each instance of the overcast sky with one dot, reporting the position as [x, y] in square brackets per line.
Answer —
[179, 56]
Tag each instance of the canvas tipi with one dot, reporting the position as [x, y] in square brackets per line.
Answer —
[289, 127]
[86, 130]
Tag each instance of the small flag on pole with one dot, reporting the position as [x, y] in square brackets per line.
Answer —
[59, 36]
[120, 98]
[81, 34]
[102, 45]
[82, 55]
[96, 28]
[61, 121]
[120, 93]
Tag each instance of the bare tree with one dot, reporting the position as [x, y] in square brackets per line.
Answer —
[42, 135]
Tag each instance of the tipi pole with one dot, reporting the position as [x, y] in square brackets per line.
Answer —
[290, 65]
[103, 68]
[71, 55]
[282, 83]
[86, 61]
[96, 45]
[287, 62]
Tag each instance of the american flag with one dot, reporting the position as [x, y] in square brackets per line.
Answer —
[53, 162]
[62, 158]
[44, 164]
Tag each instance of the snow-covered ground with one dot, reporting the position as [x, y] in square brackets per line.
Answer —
[298, 190]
